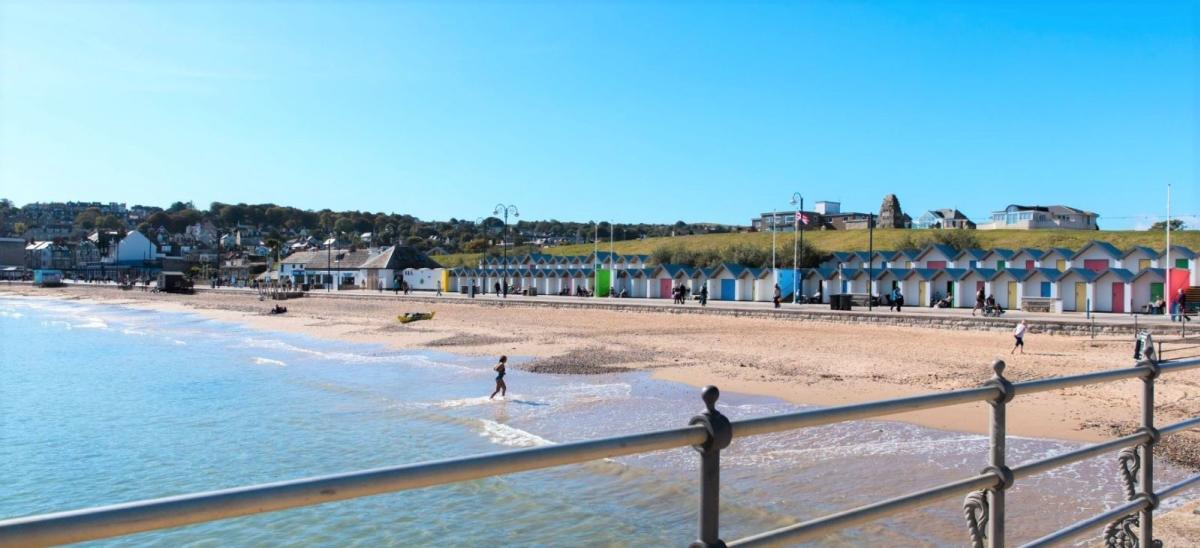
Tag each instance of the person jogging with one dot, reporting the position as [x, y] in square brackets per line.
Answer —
[1019, 335]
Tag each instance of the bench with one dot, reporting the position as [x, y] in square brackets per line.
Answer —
[1038, 304]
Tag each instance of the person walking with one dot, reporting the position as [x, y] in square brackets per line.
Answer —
[704, 295]
[439, 288]
[1181, 302]
[979, 299]
[1019, 335]
[897, 299]
[501, 388]
[778, 295]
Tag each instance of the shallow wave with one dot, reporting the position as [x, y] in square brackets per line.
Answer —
[356, 358]
[469, 402]
[268, 361]
[504, 434]
[10, 314]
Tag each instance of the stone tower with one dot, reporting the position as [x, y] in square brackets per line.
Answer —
[890, 215]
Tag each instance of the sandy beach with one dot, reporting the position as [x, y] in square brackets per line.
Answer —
[808, 363]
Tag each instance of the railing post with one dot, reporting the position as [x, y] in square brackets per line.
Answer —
[1146, 531]
[984, 510]
[720, 433]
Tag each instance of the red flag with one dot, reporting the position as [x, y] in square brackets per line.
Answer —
[801, 218]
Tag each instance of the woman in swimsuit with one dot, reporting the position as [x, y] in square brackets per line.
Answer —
[501, 388]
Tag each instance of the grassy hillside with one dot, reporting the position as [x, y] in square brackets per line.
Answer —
[851, 240]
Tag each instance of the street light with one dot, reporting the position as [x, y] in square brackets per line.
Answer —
[506, 210]
[329, 260]
[797, 199]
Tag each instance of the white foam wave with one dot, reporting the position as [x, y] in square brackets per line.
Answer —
[504, 434]
[268, 361]
[466, 402]
[10, 314]
[352, 357]
[132, 331]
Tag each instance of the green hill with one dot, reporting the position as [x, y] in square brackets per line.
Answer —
[828, 241]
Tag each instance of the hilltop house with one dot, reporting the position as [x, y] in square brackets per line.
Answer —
[943, 218]
[1021, 217]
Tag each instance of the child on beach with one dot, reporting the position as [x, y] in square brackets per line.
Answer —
[501, 388]
[1019, 335]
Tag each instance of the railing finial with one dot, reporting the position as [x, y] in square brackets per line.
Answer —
[710, 396]
[998, 367]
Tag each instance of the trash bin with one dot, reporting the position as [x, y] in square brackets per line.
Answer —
[839, 302]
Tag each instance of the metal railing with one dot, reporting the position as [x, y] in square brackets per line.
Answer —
[708, 433]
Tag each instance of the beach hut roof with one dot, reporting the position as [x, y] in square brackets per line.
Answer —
[908, 254]
[864, 256]
[734, 269]
[1144, 249]
[1051, 274]
[842, 256]
[925, 274]
[824, 273]
[985, 273]
[1016, 273]
[971, 254]
[898, 273]
[1032, 252]
[1107, 248]
[1120, 273]
[1003, 253]
[944, 249]
[1084, 273]
[1067, 253]
[956, 274]
[1180, 252]
[1156, 273]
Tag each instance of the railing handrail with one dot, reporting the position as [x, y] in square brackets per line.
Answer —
[147, 515]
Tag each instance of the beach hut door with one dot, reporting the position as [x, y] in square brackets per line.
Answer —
[1156, 291]
[921, 295]
[1012, 294]
[664, 288]
[1080, 296]
[727, 289]
[1118, 297]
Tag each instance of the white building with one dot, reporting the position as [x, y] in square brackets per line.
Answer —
[1020, 217]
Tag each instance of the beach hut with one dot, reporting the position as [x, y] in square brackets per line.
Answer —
[823, 281]
[1058, 258]
[972, 280]
[1112, 291]
[1097, 256]
[699, 278]
[970, 258]
[1182, 257]
[747, 285]
[936, 256]
[916, 288]
[762, 285]
[663, 279]
[905, 258]
[1042, 283]
[947, 283]
[1145, 288]
[1026, 258]
[886, 279]
[1139, 258]
[1006, 286]
[855, 281]
[841, 259]
[1075, 287]
[997, 258]
[723, 282]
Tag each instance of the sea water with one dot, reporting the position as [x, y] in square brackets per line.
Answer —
[101, 404]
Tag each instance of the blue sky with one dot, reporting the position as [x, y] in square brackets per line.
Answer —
[622, 111]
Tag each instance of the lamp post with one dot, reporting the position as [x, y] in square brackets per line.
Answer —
[797, 199]
[506, 210]
[329, 261]
[870, 258]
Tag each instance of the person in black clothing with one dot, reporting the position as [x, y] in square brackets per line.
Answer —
[704, 295]
[501, 388]
[778, 295]
[497, 288]
[1181, 302]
